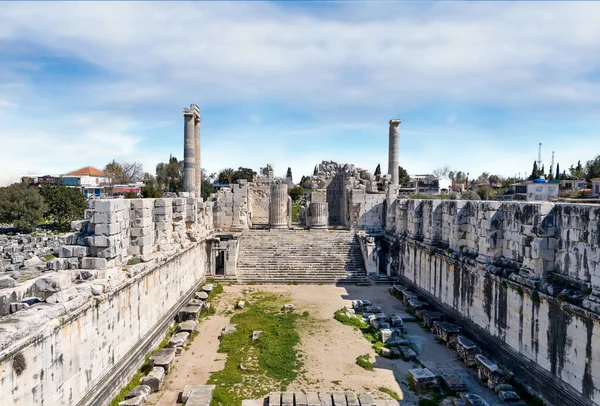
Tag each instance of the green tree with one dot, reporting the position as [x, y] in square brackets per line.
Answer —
[288, 174]
[495, 179]
[22, 206]
[577, 171]
[169, 175]
[557, 176]
[403, 177]
[207, 189]
[226, 176]
[315, 171]
[64, 205]
[296, 192]
[150, 189]
[592, 168]
[470, 195]
[534, 171]
[378, 170]
[245, 173]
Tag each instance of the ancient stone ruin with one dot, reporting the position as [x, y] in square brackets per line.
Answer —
[513, 288]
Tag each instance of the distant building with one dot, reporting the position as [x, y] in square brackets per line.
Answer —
[121, 190]
[596, 187]
[538, 189]
[573, 184]
[425, 184]
[90, 180]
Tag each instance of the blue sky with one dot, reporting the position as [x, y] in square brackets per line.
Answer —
[477, 85]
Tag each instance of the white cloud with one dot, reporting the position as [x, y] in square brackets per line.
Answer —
[348, 70]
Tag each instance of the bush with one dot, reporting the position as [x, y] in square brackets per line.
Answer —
[364, 361]
[64, 205]
[22, 206]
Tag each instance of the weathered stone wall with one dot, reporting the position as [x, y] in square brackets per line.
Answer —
[81, 347]
[260, 198]
[232, 207]
[522, 277]
[366, 210]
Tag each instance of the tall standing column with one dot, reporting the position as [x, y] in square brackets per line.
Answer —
[278, 210]
[197, 152]
[393, 160]
[189, 147]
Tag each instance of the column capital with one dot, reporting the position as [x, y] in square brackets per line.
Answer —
[395, 121]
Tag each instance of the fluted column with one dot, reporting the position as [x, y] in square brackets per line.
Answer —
[189, 148]
[319, 215]
[278, 211]
[393, 160]
[198, 168]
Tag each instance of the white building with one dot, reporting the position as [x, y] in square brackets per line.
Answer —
[596, 187]
[90, 180]
[573, 184]
[537, 190]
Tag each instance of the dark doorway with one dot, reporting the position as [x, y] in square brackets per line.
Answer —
[220, 265]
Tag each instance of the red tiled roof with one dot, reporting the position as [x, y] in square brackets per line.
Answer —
[596, 179]
[87, 171]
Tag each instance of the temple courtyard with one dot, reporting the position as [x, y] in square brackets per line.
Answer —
[327, 349]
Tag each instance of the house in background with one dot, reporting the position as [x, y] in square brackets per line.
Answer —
[573, 184]
[90, 180]
[596, 187]
[537, 189]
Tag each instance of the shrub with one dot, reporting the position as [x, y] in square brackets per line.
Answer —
[64, 205]
[390, 392]
[364, 362]
[22, 206]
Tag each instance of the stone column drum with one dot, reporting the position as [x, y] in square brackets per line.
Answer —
[278, 210]
[197, 166]
[319, 215]
[189, 148]
[393, 160]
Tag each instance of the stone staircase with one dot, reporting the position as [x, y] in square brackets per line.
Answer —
[301, 256]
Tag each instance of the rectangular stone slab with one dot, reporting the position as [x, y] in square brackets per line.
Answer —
[325, 399]
[313, 399]
[300, 399]
[189, 313]
[274, 399]
[351, 399]
[287, 399]
[366, 399]
[154, 379]
[191, 390]
[339, 399]
[163, 358]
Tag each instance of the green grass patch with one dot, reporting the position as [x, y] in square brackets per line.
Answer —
[134, 261]
[364, 361]
[349, 319]
[48, 257]
[389, 392]
[270, 363]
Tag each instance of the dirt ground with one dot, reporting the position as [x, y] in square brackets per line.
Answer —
[328, 348]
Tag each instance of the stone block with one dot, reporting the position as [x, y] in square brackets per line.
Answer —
[93, 263]
[300, 399]
[137, 401]
[155, 378]
[197, 391]
[178, 340]
[274, 398]
[326, 399]
[7, 282]
[287, 399]
[163, 358]
[189, 313]
[188, 326]
[366, 399]
[472, 399]
[351, 399]
[312, 399]
[423, 379]
[141, 390]
[339, 398]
